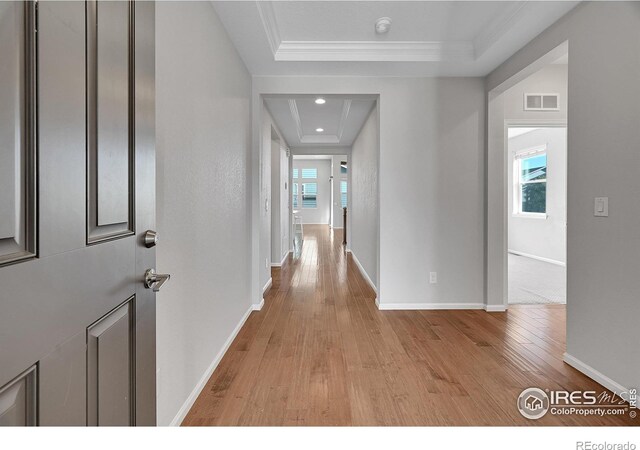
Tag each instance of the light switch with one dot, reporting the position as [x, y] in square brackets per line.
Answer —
[601, 207]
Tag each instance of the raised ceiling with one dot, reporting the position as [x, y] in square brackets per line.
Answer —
[298, 117]
[427, 38]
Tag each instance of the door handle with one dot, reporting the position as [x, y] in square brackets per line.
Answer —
[153, 280]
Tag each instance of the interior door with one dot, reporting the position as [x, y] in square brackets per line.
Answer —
[77, 195]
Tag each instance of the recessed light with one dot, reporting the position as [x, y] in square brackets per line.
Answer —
[319, 130]
[320, 101]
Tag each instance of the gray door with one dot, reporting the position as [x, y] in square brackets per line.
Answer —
[77, 194]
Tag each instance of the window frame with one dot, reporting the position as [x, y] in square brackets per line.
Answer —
[346, 193]
[301, 203]
[518, 157]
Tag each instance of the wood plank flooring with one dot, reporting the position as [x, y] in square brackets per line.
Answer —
[321, 353]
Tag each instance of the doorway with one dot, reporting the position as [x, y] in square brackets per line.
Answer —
[319, 193]
[525, 105]
[536, 214]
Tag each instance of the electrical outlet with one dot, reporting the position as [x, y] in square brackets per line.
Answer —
[266, 263]
[433, 277]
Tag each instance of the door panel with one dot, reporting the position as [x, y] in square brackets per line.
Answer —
[112, 75]
[109, 107]
[110, 361]
[18, 400]
[61, 310]
[17, 149]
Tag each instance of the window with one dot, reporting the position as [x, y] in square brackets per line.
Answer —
[343, 167]
[530, 173]
[309, 195]
[310, 173]
[343, 193]
[295, 195]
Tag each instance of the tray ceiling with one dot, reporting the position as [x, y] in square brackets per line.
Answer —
[426, 38]
[340, 118]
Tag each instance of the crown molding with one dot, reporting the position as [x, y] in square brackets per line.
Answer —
[498, 27]
[268, 17]
[319, 138]
[398, 51]
[389, 51]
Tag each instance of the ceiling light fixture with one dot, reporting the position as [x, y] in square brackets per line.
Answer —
[383, 25]
[320, 101]
[319, 130]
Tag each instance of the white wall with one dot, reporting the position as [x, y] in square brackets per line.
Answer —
[544, 238]
[203, 140]
[280, 191]
[319, 215]
[337, 217]
[362, 222]
[263, 177]
[431, 182]
[603, 160]
[551, 79]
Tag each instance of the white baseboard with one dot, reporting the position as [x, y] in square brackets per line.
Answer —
[594, 374]
[257, 306]
[539, 258]
[281, 263]
[186, 406]
[364, 273]
[426, 306]
[495, 308]
[267, 286]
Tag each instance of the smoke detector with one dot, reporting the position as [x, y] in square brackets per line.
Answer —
[383, 25]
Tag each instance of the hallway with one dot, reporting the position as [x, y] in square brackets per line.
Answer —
[321, 353]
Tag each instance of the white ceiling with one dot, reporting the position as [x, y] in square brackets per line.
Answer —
[427, 38]
[341, 117]
[314, 157]
[513, 132]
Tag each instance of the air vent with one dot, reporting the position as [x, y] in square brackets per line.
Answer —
[541, 102]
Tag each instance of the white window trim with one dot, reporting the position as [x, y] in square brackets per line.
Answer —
[517, 192]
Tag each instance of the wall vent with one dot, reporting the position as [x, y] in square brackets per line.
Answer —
[541, 102]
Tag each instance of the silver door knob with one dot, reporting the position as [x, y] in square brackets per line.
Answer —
[153, 280]
[150, 238]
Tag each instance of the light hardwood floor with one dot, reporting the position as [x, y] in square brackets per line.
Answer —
[321, 353]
